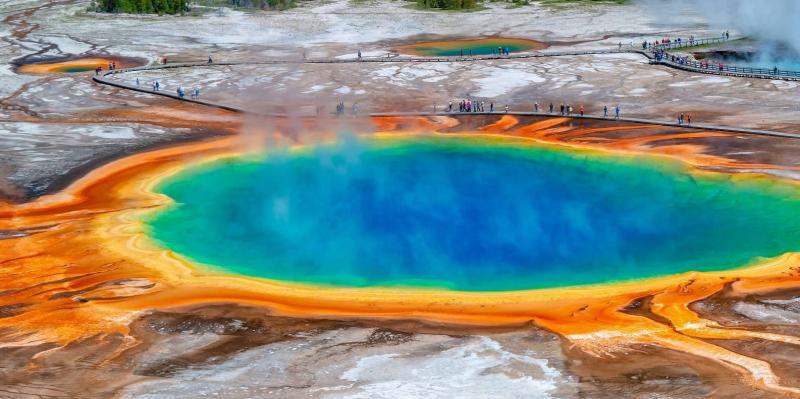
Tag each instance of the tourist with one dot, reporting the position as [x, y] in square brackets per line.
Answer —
[450, 107]
[551, 109]
[605, 111]
[491, 107]
[506, 108]
[434, 108]
[137, 81]
[688, 119]
[581, 109]
[359, 55]
[616, 112]
[355, 108]
[535, 107]
[196, 92]
[210, 61]
[620, 46]
[562, 109]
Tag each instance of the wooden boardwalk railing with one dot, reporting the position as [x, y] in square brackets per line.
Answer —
[143, 89]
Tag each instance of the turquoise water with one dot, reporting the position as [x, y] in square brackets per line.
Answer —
[477, 47]
[473, 214]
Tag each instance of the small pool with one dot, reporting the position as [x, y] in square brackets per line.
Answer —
[78, 65]
[476, 46]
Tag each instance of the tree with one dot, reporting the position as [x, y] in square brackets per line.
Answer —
[143, 6]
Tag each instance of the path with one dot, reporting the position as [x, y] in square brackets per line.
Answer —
[144, 89]
[649, 53]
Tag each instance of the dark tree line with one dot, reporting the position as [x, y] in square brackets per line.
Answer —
[447, 4]
[264, 4]
[143, 6]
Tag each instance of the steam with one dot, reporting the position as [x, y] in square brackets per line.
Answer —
[774, 20]
[773, 23]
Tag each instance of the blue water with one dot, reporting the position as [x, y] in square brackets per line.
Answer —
[470, 214]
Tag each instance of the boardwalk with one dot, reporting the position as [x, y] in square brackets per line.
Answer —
[104, 78]
[143, 89]
[712, 68]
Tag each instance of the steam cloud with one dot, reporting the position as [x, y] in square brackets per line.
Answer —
[773, 22]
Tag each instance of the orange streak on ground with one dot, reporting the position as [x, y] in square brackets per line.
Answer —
[94, 269]
[504, 123]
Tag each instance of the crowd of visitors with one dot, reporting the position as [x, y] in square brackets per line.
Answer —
[470, 106]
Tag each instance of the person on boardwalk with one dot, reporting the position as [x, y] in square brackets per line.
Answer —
[561, 112]
[616, 112]
[688, 119]
[359, 55]
[551, 108]
[210, 61]
[137, 81]
[491, 107]
[535, 106]
[450, 106]
[506, 108]
[605, 111]
[581, 109]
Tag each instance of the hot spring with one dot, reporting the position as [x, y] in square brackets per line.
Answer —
[78, 64]
[763, 54]
[472, 213]
[485, 46]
